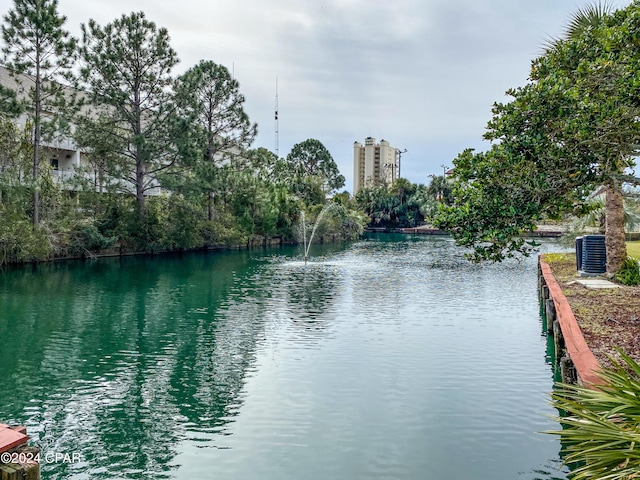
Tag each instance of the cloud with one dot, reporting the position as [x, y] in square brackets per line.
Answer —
[422, 74]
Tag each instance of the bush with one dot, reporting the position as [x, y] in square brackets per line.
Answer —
[87, 237]
[20, 241]
[601, 427]
[629, 273]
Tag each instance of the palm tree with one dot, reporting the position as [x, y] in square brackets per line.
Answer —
[440, 189]
[594, 212]
[589, 17]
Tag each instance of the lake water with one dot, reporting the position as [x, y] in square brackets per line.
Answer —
[389, 358]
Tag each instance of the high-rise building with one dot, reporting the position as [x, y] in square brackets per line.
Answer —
[373, 163]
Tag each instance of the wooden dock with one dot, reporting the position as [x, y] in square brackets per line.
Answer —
[11, 437]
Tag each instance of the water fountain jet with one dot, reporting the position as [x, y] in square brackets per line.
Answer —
[307, 245]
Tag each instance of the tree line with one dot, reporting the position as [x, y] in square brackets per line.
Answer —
[141, 130]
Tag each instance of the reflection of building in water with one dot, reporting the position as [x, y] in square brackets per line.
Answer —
[374, 163]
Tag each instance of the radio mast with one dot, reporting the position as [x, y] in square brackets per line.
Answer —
[277, 132]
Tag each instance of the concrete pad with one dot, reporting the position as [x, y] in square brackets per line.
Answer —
[596, 283]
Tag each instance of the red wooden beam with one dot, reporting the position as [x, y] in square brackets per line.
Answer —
[11, 437]
[582, 357]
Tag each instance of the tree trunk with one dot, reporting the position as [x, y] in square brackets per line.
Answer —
[615, 238]
[140, 190]
[36, 145]
[139, 157]
[209, 154]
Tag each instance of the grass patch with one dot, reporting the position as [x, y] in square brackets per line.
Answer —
[558, 257]
[608, 318]
[563, 265]
[633, 249]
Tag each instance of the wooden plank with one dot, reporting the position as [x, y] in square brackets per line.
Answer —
[10, 438]
[582, 357]
[8, 472]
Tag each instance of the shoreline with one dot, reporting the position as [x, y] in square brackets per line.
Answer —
[544, 231]
[572, 354]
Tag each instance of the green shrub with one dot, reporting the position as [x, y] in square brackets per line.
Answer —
[629, 273]
[20, 241]
[601, 426]
[87, 237]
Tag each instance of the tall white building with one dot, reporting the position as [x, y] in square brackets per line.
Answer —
[373, 163]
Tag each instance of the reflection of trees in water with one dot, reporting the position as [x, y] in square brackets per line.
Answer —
[307, 297]
[207, 381]
[119, 363]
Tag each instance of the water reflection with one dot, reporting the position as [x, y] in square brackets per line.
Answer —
[306, 297]
[121, 362]
[381, 359]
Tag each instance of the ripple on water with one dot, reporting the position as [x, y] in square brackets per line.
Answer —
[394, 360]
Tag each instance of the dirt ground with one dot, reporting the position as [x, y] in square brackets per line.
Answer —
[609, 318]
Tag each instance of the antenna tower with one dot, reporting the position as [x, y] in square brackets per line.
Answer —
[277, 131]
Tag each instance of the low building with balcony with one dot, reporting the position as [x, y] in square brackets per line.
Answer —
[61, 154]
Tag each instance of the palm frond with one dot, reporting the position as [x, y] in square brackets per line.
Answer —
[587, 17]
[580, 21]
[602, 427]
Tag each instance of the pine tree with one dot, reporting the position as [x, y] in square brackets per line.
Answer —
[39, 54]
[210, 100]
[126, 72]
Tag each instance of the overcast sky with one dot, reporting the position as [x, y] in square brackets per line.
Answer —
[421, 74]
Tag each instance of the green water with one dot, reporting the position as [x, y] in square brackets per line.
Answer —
[389, 358]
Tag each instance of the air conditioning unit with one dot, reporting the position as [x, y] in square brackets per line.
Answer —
[579, 242]
[594, 255]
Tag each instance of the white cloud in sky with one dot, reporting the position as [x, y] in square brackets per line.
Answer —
[422, 74]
